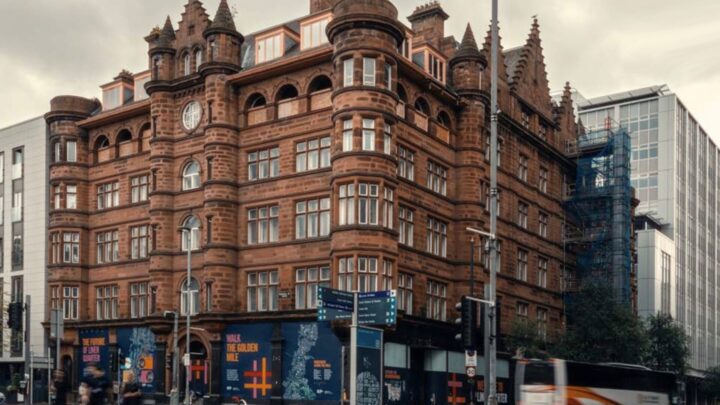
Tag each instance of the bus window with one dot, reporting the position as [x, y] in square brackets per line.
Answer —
[539, 373]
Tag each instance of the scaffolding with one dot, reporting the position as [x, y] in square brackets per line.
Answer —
[599, 205]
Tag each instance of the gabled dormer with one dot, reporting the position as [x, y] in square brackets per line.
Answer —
[312, 30]
[139, 81]
[118, 92]
[431, 61]
[273, 44]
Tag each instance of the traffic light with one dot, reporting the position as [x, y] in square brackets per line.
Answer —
[468, 323]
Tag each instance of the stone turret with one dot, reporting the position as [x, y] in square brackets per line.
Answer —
[365, 35]
[467, 64]
[162, 53]
[223, 39]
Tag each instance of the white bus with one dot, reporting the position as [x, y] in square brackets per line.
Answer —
[560, 382]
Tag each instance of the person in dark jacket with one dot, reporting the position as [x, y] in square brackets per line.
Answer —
[60, 388]
[96, 384]
[131, 393]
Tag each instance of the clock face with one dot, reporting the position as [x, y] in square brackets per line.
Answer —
[191, 115]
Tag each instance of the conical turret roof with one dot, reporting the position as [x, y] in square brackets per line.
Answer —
[167, 35]
[223, 21]
[468, 49]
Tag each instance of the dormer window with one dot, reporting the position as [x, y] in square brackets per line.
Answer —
[431, 61]
[272, 45]
[140, 80]
[312, 31]
[269, 48]
[116, 94]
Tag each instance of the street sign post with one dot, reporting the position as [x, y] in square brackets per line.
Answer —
[470, 363]
[377, 308]
[334, 305]
[374, 308]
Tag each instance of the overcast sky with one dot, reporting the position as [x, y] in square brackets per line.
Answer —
[52, 47]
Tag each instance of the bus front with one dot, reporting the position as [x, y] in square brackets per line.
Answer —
[539, 382]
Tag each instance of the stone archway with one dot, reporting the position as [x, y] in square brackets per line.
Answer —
[200, 366]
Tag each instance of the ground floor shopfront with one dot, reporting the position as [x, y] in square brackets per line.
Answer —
[281, 361]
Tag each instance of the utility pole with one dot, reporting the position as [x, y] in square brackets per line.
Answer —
[174, 394]
[188, 312]
[491, 385]
[28, 353]
[353, 351]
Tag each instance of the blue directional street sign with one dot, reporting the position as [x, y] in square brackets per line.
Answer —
[377, 308]
[374, 308]
[334, 304]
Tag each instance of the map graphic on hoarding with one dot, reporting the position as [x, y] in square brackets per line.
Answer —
[311, 362]
[138, 345]
[246, 368]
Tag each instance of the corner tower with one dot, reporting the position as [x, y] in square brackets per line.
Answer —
[365, 35]
[221, 159]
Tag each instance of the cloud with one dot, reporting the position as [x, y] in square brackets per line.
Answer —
[55, 47]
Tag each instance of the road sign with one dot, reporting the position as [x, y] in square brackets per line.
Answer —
[186, 359]
[377, 308]
[470, 371]
[334, 304]
[470, 358]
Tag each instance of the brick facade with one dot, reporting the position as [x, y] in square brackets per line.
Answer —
[298, 97]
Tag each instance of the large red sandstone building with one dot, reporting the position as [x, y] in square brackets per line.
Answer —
[344, 149]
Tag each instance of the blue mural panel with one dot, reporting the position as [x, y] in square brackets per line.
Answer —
[246, 368]
[138, 345]
[311, 362]
[94, 348]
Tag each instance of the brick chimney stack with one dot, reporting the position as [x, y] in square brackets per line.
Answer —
[321, 5]
[428, 22]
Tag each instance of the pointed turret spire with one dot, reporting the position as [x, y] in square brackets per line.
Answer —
[468, 49]
[224, 22]
[167, 35]
[223, 17]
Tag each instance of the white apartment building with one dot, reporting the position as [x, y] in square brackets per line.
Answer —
[23, 237]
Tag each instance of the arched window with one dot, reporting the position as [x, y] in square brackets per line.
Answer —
[320, 83]
[401, 93]
[256, 100]
[186, 63]
[422, 106]
[191, 176]
[145, 135]
[286, 92]
[198, 59]
[192, 225]
[102, 142]
[124, 143]
[444, 119]
[102, 149]
[190, 297]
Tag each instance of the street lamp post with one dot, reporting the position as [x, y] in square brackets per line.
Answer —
[188, 311]
[494, 110]
[490, 373]
[175, 369]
